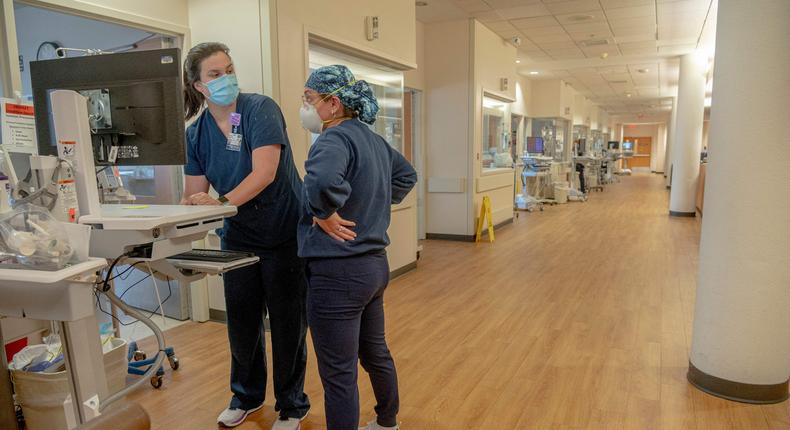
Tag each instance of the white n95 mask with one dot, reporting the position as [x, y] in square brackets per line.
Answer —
[310, 119]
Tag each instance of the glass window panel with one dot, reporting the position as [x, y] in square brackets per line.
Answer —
[387, 85]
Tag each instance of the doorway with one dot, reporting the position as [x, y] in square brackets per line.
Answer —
[643, 147]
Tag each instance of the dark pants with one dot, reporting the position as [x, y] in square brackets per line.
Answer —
[345, 309]
[277, 284]
[580, 169]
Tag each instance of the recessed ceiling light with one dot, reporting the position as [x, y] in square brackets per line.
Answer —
[421, 3]
[604, 55]
[533, 73]
[518, 61]
[628, 94]
[643, 70]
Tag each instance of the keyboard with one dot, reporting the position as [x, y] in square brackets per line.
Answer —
[212, 255]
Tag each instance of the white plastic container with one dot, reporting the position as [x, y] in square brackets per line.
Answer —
[42, 395]
[561, 194]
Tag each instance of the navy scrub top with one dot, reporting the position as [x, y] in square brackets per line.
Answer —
[270, 218]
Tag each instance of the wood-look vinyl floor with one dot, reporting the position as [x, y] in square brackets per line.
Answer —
[578, 317]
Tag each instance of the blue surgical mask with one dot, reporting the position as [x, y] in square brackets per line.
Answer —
[223, 90]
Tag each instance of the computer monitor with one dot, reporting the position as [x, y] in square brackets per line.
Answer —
[613, 144]
[628, 146]
[135, 104]
[535, 145]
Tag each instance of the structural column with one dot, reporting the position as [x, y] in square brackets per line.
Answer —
[670, 142]
[741, 339]
[688, 135]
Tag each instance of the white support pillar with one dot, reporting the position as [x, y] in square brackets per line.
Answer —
[670, 141]
[688, 136]
[741, 340]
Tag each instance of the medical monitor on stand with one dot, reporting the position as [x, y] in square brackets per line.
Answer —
[135, 105]
[535, 145]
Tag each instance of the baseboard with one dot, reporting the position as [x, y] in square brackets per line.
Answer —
[451, 237]
[463, 237]
[217, 315]
[683, 214]
[738, 391]
[403, 270]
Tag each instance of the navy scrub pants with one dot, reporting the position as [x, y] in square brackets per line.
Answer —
[345, 310]
[277, 284]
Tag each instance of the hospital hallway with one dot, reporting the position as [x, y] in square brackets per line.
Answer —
[578, 317]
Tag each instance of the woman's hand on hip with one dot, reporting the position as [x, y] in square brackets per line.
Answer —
[203, 199]
[336, 227]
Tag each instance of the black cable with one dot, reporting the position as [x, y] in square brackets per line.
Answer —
[106, 284]
[98, 304]
[128, 269]
[133, 285]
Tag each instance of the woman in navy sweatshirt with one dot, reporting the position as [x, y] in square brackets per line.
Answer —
[353, 177]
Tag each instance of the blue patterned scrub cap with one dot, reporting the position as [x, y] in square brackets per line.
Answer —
[339, 81]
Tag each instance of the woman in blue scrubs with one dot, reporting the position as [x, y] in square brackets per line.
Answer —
[239, 146]
[353, 177]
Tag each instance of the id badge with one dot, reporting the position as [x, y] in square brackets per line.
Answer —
[234, 142]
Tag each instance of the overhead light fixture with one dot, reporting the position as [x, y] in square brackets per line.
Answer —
[604, 55]
[643, 70]
[628, 94]
[421, 3]
[533, 72]
[518, 61]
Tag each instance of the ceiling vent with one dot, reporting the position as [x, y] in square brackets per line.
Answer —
[594, 42]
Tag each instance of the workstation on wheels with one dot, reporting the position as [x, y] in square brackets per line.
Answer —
[73, 229]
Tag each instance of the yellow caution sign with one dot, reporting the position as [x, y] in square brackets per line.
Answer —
[485, 213]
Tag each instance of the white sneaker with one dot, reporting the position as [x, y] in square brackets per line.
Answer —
[231, 417]
[285, 423]
[373, 425]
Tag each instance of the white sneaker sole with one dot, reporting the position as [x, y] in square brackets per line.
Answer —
[240, 420]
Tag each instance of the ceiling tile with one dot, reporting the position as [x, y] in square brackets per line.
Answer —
[682, 6]
[528, 11]
[678, 41]
[581, 18]
[487, 16]
[582, 37]
[639, 51]
[509, 33]
[632, 22]
[648, 92]
[588, 27]
[634, 38]
[574, 6]
[566, 54]
[541, 21]
[542, 31]
[614, 77]
[559, 37]
[640, 44]
[473, 5]
[613, 69]
[558, 45]
[611, 4]
[501, 4]
[500, 25]
[633, 31]
[631, 12]
[677, 49]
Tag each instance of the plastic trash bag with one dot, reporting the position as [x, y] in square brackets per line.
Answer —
[33, 239]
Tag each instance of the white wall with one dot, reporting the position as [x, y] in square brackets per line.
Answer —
[448, 99]
[35, 25]
[244, 41]
[494, 59]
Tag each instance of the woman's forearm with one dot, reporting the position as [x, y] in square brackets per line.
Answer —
[250, 187]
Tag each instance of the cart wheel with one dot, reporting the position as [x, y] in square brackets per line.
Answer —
[174, 363]
[156, 381]
[139, 356]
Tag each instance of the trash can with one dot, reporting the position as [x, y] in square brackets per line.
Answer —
[41, 395]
